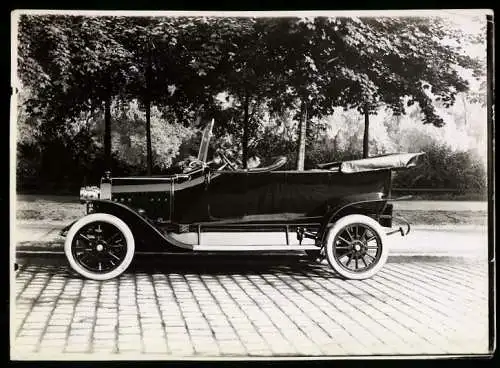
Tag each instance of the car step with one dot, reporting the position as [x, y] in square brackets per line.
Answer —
[249, 247]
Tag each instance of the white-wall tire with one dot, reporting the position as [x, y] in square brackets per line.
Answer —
[338, 250]
[112, 222]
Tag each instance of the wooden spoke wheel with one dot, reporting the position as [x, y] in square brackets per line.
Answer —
[99, 246]
[356, 247]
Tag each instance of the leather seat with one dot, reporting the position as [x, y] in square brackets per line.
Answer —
[279, 162]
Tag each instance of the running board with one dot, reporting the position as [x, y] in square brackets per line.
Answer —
[240, 241]
[240, 238]
[250, 248]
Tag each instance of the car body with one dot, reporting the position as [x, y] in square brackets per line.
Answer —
[340, 210]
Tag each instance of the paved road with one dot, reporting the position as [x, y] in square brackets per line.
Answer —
[250, 307]
[170, 307]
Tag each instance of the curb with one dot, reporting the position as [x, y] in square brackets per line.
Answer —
[450, 227]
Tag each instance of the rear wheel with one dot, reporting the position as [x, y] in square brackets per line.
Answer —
[99, 246]
[356, 247]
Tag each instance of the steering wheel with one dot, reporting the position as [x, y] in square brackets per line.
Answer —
[194, 164]
[227, 161]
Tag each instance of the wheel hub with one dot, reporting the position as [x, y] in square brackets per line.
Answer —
[357, 246]
[99, 247]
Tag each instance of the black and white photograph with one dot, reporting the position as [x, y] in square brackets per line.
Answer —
[251, 185]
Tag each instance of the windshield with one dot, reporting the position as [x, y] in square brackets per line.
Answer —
[205, 141]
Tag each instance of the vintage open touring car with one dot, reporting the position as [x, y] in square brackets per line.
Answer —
[340, 211]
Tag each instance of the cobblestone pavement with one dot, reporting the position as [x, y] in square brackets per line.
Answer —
[254, 307]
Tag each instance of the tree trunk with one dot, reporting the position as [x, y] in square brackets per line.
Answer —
[301, 154]
[149, 157]
[244, 142]
[464, 102]
[107, 132]
[366, 136]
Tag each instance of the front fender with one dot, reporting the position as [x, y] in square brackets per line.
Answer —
[148, 237]
[65, 229]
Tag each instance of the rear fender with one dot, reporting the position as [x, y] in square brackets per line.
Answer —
[371, 205]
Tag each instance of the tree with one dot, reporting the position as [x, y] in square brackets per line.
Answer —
[244, 76]
[151, 41]
[367, 63]
[128, 137]
[79, 64]
[300, 56]
[73, 64]
[311, 66]
[390, 59]
[219, 59]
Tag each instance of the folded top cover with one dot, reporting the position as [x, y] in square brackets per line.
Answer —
[392, 161]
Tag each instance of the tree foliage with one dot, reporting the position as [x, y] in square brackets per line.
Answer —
[72, 62]
[260, 67]
[128, 137]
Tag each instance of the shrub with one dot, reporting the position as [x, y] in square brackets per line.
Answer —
[327, 150]
[445, 168]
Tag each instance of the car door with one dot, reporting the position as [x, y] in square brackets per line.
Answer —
[190, 198]
[265, 198]
[226, 195]
[307, 193]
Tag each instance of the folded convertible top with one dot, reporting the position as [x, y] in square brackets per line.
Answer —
[392, 161]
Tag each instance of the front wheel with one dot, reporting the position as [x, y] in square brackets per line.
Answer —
[356, 248]
[99, 246]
